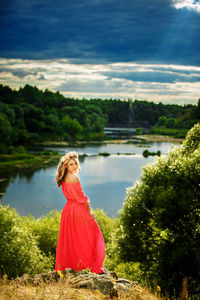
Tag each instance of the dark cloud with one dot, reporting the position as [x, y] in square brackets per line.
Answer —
[100, 31]
[155, 76]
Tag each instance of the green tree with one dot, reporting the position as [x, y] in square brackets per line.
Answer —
[162, 121]
[51, 123]
[178, 124]
[96, 122]
[71, 126]
[160, 220]
[5, 133]
[198, 110]
[170, 123]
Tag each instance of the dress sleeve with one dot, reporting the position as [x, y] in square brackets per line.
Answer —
[80, 196]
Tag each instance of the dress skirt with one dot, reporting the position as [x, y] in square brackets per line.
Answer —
[80, 243]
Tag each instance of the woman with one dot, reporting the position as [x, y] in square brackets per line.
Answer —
[80, 243]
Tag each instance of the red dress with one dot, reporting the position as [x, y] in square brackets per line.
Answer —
[80, 243]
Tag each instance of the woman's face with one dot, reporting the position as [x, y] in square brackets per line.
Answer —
[72, 166]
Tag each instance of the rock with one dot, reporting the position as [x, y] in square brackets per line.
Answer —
[107, 283]
[25, 279]
[93, 281]
[123, 285]
[45, 277]
[122, 280]
[110, 273]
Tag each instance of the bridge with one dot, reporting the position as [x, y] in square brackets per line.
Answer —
[116, 132]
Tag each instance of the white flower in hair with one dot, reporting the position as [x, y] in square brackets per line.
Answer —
[68, 156]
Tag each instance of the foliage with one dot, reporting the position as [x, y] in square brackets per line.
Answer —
[46, 230]
[177, 126]
[192, 141]
[31, 115]
[71, 126]
[19, 251]
[146, 153]
[29, 245]
[139, 131]
[160, 220]
[106, 224]
[175, 132]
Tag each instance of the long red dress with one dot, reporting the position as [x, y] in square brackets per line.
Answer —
[80, 243]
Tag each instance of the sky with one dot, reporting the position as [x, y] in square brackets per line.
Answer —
[124, 49]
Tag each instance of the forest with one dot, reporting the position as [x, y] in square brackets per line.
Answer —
[31, 115]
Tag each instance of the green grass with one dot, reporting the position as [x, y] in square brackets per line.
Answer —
[178, 133]
[27, 159]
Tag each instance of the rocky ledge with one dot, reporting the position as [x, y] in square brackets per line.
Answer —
[107, 283]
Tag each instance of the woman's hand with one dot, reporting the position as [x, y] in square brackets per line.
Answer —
[87, 205]
[92, 215]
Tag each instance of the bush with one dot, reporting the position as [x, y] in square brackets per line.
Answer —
[20, 149]
[106, 224]
[46, 230]
[19, 251]
[160, 220]
[139, 131]
[130, 270]
[147, 153]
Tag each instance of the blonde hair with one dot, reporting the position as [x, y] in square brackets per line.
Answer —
[62, 166]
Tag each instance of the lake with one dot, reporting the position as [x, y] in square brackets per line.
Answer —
[104, 179]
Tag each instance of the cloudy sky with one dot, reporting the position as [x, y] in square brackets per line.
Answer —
[139, 49]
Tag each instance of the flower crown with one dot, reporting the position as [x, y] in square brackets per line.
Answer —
[68, 156]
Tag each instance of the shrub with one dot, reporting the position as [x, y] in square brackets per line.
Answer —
[106, 224]
[19, 251]
[46, 230]
[160, 220]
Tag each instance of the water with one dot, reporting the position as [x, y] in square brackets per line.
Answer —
[104, 179]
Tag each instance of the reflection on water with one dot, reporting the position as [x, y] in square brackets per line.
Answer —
[104, 180]
[133, 147]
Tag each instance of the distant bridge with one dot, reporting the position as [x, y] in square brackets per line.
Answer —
[121, 132]
[114, 132]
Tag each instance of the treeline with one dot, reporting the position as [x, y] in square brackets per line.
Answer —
[155, 239]
[29, 115]
[179, 125]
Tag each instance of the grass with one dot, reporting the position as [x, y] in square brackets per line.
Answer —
[13, 290]
[174, 132]
[27, 159]
[161, 138]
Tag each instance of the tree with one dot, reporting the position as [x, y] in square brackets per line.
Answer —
[5, 132]
[160, 220]
[71, 126]
[162, 121]
[170, 123]
[198, 109]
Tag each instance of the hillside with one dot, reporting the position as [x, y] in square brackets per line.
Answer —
[84, 286]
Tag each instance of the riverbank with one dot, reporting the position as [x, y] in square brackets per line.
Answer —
[161, 138]
[145, 137]
[28, 159]
[43, 157]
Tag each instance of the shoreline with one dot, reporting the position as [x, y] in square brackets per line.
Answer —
[161, 138]
[146, 137]
[28, 159]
